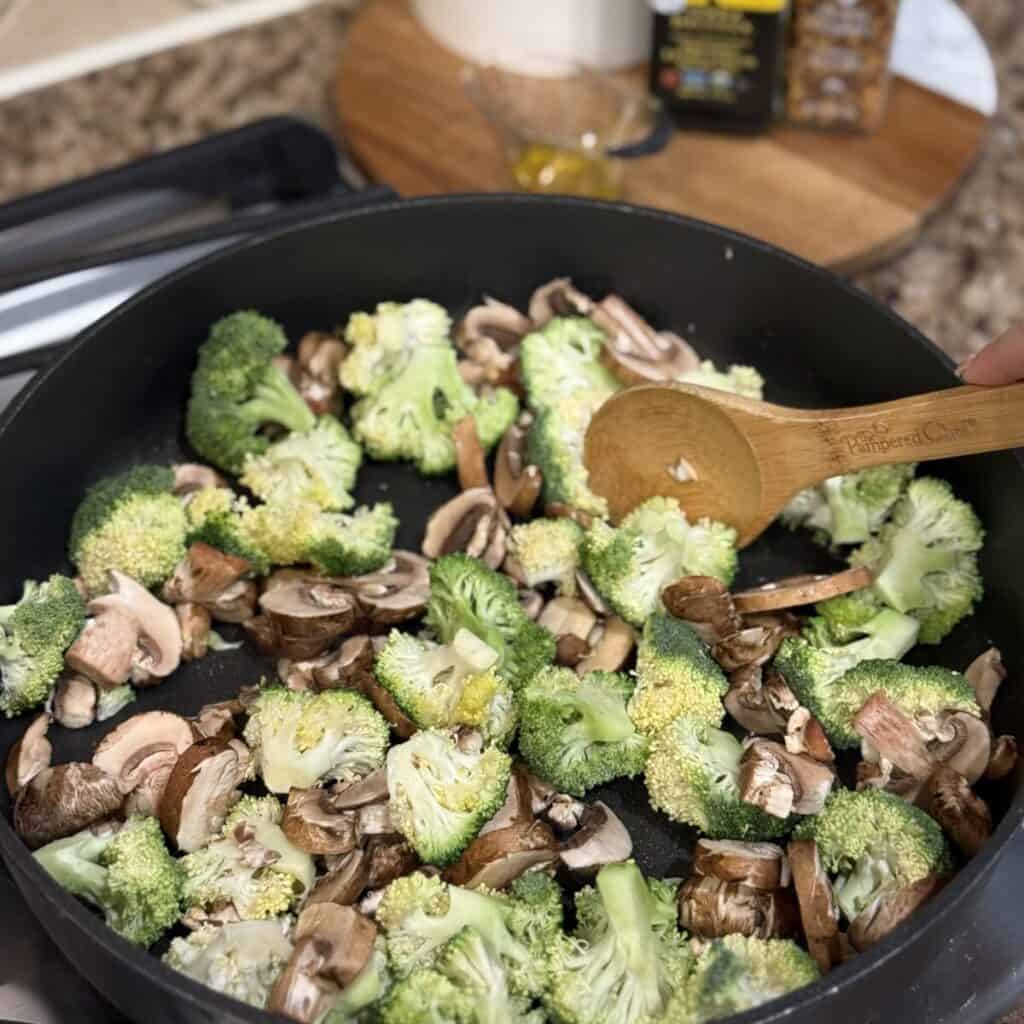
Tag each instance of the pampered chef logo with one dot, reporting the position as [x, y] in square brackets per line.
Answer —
[878, 438]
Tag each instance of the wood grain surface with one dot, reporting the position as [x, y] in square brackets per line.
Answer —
[843, 201]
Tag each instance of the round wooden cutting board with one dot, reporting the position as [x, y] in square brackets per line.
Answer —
[846, 202]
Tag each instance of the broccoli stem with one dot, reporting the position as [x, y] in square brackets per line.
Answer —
[72, 863]
[627, 902]
[901, 583]
[603, 719]
[276, 401]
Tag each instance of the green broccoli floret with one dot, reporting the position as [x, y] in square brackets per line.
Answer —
[130, 522]
[925, 559]
[319, 466]
[575, 732]
[421, 914]
[465, 594]
[692, 776]
[299, 738]
[653, 546]
[554, 443]
[281, 530]
[218, 517]
[428, 997]
[128, 874]
[547, 551]
[737, 973]
[237, 390]
[676, 675]
[740, 380]
[591, 917]
[381, 343]
[342, 544]
[252, 866]
[34, 634]
[412, 415]
[447, 685]
[442, 795]
[849, 509]
[874, 842]
[241, 959]
[563, 358]
[624, 969]
[536, 913]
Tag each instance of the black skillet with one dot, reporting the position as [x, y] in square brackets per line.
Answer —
[118, 396]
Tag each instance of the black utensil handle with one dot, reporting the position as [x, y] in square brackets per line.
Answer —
[660, 136]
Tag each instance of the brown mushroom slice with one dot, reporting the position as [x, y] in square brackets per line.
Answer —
[348, 796]
[986, 674]
[819, 912]
[760, 709]
[349, 668]
[194, 623]
[301, 992]
[601, 839]
[781, 783]
[752, 645]
[796, 591]
[217, 720]
[382, 700]
[235, 605]
[557, 298]
[473, 523]
[310, 608]
[804, 735]
[570, 650]
[493, 320]
[201, 788]
[318, 359]
[517, 482]
[389, 860]
[706, 604]
[314, 826]
[889, 910]
[105, 649]
[963, 815]
[159, 638]
[345, 937]
[518, 806]
[501, 856]
[394, 594]
[374, 821]
[469, 455]
[63, 800]
[344, 883]
[963, 743]
[204, 574]
[74, 701]
[29, 755]
[611, 644]
[190, 477]
[894, 735]
[711, 908]
[757, 865]
[568, 616]
[1003, 759]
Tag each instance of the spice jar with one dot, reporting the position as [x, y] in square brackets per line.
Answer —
[838, 67]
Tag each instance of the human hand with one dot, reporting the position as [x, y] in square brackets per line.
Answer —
[999, 362]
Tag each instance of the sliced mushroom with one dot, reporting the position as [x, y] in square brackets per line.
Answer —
[374, 820]
[382, 700]
[201, 788]
[105, 649]
[586, 590]
[760, 701]
[706, 604]
[1003, 759]
[194, 623]
[963, 743]
[308, 610]
[877, 772]
[237, 604]
[963, 815]
[568, 617]
[563, 812]
[894, 735]
[712, 908]
[469, 455]
[29, 755]
[159, 638]
[473, 523]
[74, 701]
[217, 720]
[781, 783]
[601, 839]
[263, 633]
[344, 883]
[314, 373]
[611, 642]
[518, 806]
[804, 735]
[204, 574]
[499, 857]
[301, 992]
[570, 650]
[889, 910]
[532, 603]
[558, 298]
[795, 591]
[63, 800]
[756, 865]
[752, 645]
[394, 594]
[348, 796]
[190, 477]
[346, 939]
[492, 321]
[517, 482]
[819, 912]
[389, 860]
[314, 826]
[986, 674]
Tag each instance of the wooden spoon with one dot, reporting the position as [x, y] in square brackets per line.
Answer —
[740, 461]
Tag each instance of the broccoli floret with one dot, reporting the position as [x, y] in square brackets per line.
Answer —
[554, 443]
[428, 997]
[421, 914]
[591, 918]
[625, 968]
[447, 685]
[128, 874]
[252, 866]
[34, 634]
[653, 546]
[737, 973]
[340, 544]
[441, 795]
[381, 343]
[740, 380]
[874, 842]
[575, 732]
[547, 551]
[535, 914]
[319, 466]
[925, 559]
[241, 959]
[218, 517]
[465, 594]
[299, 738]
[236, 391]
[130, 522]
[563, 358]
[111, 702]
[849, 509]
[676, 675]
[692, 776]
[412, 415]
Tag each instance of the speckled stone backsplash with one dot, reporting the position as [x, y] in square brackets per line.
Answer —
[961, 283]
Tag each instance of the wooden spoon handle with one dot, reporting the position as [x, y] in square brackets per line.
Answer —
[959, 421]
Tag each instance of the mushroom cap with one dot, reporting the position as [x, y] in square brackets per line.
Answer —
[500, 856]
[344, 883]
[347, 933]
[309, 608]
[388, 860]
[611, 648]
[782, 783]
[819, 912]
[235, 604]
[193, 476]
[711, 908]
[300, 992]
[635, 352]
[396, 593]
[498, 321]
[472, 522]
[74, 701]
[557, 298]
[311, 824]
[892, 733]
[29, 755]
[204, 574]
[706, 604]
[889, 910]
[761, 703]
[370, 789]
[757, 865]
[63, 800]
[517, 482]
[194, 623]
[986, 674]
[601, 839]
[964, 743]
[141, 752]
[568, 616]
[105, 648]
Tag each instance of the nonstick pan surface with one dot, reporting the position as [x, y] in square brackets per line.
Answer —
[119, 396]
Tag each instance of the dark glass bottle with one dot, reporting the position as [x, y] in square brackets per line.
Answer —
[718, 64]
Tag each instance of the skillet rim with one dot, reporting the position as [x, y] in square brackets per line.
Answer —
[26, 871]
